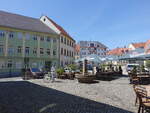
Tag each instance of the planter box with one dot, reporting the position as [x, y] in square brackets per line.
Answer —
[62, 76]
[86, 79]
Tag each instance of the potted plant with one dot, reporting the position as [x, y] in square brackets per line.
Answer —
[60, 72]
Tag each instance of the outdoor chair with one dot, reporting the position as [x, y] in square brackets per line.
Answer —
[137, 88]
[136, 99]
[144, 100]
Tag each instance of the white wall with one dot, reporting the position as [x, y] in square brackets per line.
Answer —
[49, 24]
[131, 47]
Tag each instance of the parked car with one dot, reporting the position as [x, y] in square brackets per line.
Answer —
[43, 70]
[35, 73]
[130, 67]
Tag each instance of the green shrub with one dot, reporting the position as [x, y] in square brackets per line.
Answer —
[60, 71]
[102, 67]
[72, 67]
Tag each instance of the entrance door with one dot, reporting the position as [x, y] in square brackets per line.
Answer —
[26, 62]
[48, 65]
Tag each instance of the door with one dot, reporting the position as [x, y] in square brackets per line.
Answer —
[48, 65]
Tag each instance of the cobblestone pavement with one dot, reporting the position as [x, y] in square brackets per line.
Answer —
[66, 96]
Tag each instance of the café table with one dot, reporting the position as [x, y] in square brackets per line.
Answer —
[143, 78]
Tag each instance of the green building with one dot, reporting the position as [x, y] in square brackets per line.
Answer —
[26, 42]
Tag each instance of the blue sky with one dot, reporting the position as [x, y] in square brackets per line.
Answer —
[115, 23]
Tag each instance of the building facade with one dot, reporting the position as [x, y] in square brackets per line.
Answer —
[134, 46]
[116, 54]
[92, 47]
[77, 51]
[26, 42]
[67, 43]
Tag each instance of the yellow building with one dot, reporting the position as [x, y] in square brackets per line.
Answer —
[26, 42]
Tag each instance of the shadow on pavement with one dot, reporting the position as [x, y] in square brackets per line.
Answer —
[26, 97]
[110, 77]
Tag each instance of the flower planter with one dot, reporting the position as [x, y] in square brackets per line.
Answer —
[86, 79]
[62, 76]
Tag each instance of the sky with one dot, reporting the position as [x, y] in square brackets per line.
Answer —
[115, 23]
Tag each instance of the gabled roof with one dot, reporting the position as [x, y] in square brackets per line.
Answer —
[23, 22]
[139, 45]
[147, 44]
[61, 29]
[118, 51]
[147, 47]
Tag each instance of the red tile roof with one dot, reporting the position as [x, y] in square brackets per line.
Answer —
[147, 44]
[60, 28]
[139, 45]
[147, 47]
[118, 51]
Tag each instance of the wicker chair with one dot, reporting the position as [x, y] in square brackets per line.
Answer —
[138, 88]
[144, 100]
